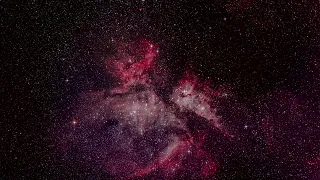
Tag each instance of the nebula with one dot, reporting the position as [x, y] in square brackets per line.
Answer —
[131, 132]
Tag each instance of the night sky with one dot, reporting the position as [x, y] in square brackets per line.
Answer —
[259, 60]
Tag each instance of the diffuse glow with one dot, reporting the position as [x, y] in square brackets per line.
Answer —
[164, 139]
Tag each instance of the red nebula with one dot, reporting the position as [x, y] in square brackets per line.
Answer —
[132, 66]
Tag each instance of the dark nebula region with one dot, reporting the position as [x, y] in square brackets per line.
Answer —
[161, 90]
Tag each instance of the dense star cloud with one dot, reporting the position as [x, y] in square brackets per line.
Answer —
[149, 89]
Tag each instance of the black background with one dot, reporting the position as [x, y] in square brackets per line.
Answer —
[53, 50]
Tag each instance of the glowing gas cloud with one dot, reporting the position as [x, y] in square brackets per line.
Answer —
[130, 132]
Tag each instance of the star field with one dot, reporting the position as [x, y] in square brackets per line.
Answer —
[151, 89]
